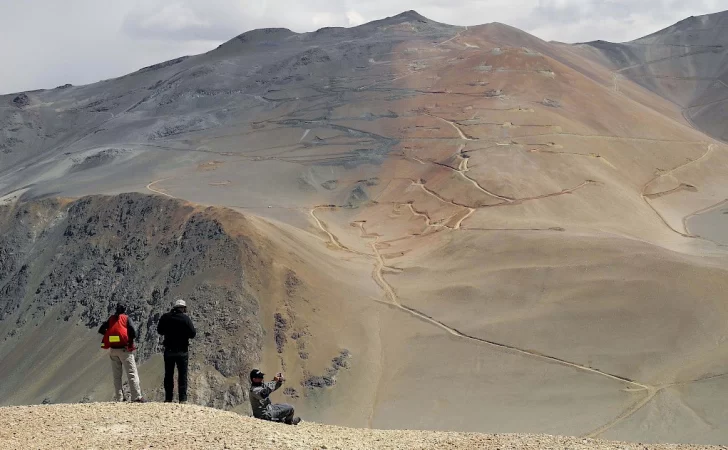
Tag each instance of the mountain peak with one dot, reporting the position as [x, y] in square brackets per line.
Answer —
[412, 15]
[258, 35]
[692, 23]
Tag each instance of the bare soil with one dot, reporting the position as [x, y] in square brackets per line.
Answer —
[167, 426]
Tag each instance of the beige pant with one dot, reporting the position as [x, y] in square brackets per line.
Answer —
[121, 358]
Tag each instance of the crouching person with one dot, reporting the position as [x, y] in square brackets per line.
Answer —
[260, 399]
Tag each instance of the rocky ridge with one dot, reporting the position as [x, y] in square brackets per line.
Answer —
[65, 264]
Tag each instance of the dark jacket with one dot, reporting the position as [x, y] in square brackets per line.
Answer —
[130, 328]
[177, 329]
[260, 398]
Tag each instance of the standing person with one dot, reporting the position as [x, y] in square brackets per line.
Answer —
[177, 329]
[260, 399]
[119, 334]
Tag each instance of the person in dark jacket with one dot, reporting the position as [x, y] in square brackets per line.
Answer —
[119, 334]
[177, 329]
[260, 399]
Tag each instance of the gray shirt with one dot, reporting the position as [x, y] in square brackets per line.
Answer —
[260, 398]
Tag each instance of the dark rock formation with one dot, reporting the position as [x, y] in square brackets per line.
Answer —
[76, 261]
[328, 379]
[279, 330]
[21, 100]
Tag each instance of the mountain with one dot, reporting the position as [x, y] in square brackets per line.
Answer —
[686, 63]
[426, 226]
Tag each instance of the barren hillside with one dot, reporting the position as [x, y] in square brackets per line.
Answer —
[685, 63]
[426, 226]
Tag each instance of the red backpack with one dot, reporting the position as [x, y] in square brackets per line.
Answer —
[116, 335]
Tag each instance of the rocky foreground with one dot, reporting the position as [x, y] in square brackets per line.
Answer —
[173, 426]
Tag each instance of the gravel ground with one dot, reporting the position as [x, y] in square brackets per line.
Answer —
[173, 426]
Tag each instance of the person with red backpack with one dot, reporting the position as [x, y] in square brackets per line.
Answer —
[119, 334]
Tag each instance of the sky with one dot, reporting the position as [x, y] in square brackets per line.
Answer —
[47, 43]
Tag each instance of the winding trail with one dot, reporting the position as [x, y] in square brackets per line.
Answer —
[650, 391]
[643, 393]
[668, 58]
[459, 223]
[333, 240]
[589, 155]
[459, 33]
[682, 166]
[379, 266]
[645, 196]
[518, 201]
[680, 187]
[615, 82]
[457, 128]
[428, 220]
[393, 300]
[510, 202]
[421, 184]
[627, 413]
[156, 191]
[463, 167]
[615, 138]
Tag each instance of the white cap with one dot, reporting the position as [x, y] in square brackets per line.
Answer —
[179, 302]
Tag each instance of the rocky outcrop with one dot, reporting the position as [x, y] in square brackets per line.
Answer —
[75, 260]
[21, 100]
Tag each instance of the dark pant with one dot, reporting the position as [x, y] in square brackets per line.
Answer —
[281, 412]
[172, 359]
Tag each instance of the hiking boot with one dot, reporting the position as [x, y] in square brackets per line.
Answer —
[140, 400]
[183, 402]
[296, 421]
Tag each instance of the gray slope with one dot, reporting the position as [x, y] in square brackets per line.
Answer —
[686, 63]
[152, 119]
